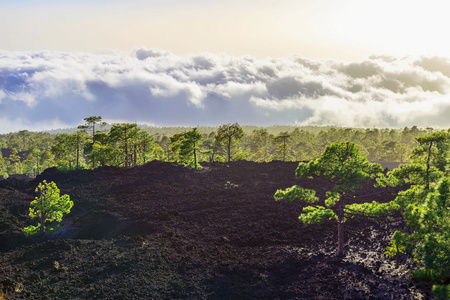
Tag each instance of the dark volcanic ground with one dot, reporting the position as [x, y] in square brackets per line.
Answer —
[163, 231]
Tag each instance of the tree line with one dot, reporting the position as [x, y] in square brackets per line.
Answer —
[96, 143]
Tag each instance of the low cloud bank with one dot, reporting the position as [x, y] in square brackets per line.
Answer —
[43, 90]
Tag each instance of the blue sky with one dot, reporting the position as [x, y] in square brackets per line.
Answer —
[324, 62]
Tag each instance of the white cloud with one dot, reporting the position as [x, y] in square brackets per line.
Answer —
[157, 87]
[17, 124]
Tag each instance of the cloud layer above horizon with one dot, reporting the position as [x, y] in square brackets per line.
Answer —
[44, 90]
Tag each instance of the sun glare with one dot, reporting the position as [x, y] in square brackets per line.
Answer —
[390, 27]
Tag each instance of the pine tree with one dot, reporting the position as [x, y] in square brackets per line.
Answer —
[227, 134]
[123, 134]
[187, 146]
[282, 140]
[425, 206]
[48, 206]
[341, 164]
[91, 123]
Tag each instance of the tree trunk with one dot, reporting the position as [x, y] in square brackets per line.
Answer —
[397, 255]
[427, 174]
[145, 151]
[42, 217]
[229, 149]
[126, 150]
[42, 226]
[93, 142]
[340, 249]
[195, 157]
[78, 150]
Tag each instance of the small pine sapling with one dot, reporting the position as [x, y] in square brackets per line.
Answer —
[48, 206]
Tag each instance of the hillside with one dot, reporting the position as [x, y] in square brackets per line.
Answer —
[164, 231]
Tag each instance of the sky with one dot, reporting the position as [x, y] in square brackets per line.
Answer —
[345, 63]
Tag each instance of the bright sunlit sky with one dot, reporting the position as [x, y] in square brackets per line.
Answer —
[359, 63]
[345, 29]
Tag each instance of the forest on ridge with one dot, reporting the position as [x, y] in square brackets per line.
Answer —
[96, 143]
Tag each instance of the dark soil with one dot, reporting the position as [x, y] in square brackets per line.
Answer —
[162, 231]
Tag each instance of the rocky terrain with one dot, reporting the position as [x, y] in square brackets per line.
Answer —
[162, 231]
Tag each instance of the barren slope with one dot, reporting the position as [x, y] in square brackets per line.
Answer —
[163, 231]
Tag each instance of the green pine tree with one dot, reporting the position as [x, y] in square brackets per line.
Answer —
[341, 164]
[48, 206]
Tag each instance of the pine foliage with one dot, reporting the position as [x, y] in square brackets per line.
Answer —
[425, 206]
[341, 164]
[49, 206]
